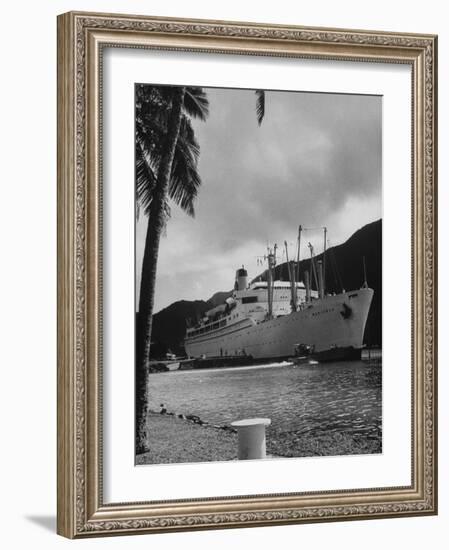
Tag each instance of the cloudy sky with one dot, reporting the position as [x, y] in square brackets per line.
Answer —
[315, 160]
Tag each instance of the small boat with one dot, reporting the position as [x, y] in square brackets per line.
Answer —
[172, 365]
[303, 354]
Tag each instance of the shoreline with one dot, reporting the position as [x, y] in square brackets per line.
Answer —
[176, 440]
[162, 367]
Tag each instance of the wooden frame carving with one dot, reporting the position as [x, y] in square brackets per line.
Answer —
[81, 37]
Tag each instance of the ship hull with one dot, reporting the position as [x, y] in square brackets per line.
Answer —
[338, 354]
[333, 325]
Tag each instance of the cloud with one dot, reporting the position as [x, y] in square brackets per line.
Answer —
[315, 160]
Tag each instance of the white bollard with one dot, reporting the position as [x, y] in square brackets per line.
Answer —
[251, 434]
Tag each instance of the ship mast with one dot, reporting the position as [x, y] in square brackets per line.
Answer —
[298, 254]
[312, 261]
[365, 283]
[291, 276]
[271, 257]
[324, 260]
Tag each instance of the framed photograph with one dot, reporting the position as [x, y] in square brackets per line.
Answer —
[246, 274]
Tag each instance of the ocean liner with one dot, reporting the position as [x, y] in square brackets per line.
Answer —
[275, 319]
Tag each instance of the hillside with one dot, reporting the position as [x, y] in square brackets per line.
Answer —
[344, 268]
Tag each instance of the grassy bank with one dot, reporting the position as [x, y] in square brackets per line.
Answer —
[291, 444]
[174, 440]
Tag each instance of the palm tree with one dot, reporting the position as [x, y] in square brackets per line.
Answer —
[166, 168]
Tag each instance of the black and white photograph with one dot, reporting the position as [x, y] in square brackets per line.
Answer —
[258, 274]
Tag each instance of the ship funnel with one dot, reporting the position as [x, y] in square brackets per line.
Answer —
[241, 279]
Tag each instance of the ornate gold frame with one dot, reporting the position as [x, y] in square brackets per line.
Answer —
[81, 37]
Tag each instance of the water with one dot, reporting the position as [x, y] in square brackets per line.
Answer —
[312, 400]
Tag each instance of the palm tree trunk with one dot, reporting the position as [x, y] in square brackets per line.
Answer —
[156, 223]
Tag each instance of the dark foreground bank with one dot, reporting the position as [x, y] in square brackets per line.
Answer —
[175, 440]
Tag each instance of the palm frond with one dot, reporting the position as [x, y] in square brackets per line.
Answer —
[187, 140]
[196, 103]
[145, 180]
[184, 185]
[145, 185]
[150, 134]
[153, 106]
[185, 180]
[150, 97]
[260, 105]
